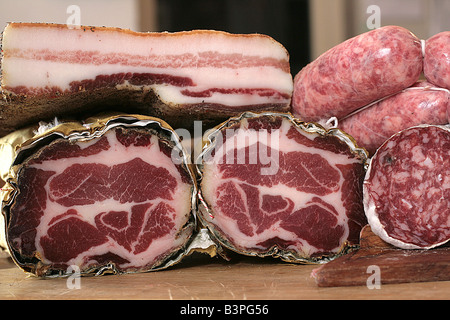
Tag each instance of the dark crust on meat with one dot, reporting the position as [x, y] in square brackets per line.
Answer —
[17, 111]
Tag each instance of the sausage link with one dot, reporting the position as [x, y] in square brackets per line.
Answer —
[436, 63]
[356, 72]
[421, 104]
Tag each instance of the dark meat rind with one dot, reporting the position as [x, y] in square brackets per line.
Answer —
[18, 111]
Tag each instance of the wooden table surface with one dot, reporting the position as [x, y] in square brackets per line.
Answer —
[205, 278]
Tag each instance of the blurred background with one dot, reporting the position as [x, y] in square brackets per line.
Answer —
[306, 28]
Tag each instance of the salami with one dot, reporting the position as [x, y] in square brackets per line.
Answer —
[420, 104]
[436, 64]
[407, 188]
[356, 72]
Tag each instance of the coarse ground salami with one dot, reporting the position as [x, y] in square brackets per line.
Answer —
[436, 64]
[407, 188]
[356, 72]
[421, 104]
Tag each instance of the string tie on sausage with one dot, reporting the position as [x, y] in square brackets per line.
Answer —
[331, 123]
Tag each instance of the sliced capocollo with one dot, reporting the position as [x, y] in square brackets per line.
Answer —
[272, 185]
[116, 196]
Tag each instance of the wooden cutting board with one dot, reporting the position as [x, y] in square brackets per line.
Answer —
[200, 277]
[377, 262]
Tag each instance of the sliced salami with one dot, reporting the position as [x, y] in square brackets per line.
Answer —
[407, 188]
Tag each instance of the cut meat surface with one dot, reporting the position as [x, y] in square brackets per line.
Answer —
[115, 199]
[160, 74]
[81, 184]
[285, 192]
[407, 188]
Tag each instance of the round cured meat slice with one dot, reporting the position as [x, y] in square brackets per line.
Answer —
[407, 188]
[110, 200]
[275, 186]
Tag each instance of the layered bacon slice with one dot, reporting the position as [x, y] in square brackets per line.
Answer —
[194, 72]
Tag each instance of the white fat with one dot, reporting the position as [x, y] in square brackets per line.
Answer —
[32, 73]
[116, 155]
[61, 39]
[277, 140]
[46, 74]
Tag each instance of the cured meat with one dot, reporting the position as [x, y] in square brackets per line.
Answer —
[272, 186]
[448, 113]
[436, 63]
[407, 188]
[420, 104]
[356, 72]
[113, 202]
[52, 70]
